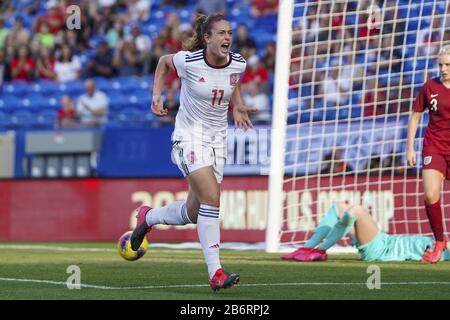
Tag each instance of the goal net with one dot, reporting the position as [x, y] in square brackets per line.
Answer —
[353, 71]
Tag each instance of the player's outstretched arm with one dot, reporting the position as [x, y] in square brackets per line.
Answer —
[165, 64]
[412, 129]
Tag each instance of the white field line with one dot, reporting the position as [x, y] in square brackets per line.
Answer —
[185, 286]
[74, 249]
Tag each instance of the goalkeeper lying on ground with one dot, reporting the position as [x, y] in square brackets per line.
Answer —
[371, 243]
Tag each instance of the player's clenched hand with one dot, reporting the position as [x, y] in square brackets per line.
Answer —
[411, 158]
[158, 107]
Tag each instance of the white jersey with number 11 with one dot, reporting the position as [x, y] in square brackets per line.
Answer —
[206, 91]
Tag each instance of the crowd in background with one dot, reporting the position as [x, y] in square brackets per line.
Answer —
[337, 53]
[111, 43]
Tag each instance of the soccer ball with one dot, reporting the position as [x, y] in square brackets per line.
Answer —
[124, 247]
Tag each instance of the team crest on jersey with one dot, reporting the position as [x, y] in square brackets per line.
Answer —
[191, 158]
[427, 160]
[234, 79]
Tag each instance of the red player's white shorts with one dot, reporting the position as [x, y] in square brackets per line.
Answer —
[437, 162]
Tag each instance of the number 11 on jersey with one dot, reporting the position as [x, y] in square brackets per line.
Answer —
[221, 92]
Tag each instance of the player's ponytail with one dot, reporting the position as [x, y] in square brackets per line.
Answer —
[195, 42]
[203, 24]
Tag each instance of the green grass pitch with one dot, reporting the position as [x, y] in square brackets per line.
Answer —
[39, 271]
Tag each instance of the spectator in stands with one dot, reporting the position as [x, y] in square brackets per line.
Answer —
[3, 32]
[269, 56]
[156, 53]
[104, 20]
[175, 3]
[22, 65]
[138, 10]
[35, 47]
[92, 107]
[44, 36]
[208, 7]
[171, 102]
[67, 114]
[334, 89]
[261, 8]
[334, 162]
[173, 33]
[115, 35]
[257, 73]
[373, 97]
[393, 23]
[68, 65]
[244, 43]
[4, 67]
[254, 98]
[429, 39]
[45, 65]
[77, 40]
[390, 58]
[101, 64]
[18, 35]
[352, 73]
[126, 59]
[29, 7]
[142, 43]
[54, 17]
[447, 24]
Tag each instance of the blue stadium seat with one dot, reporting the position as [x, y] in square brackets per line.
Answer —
[102, 83]
[125, 84]
[17, 87]
[330, 114]
[319, 115]
[117, 100]
[22, 118]
[306, 90]
[350, 18]
[141, 100]
[420, 63]
[70, 88]
[343, 112]
[9, 102]
[129, 115]
[35, 102]
[412, 23]
[356, 112]
[427, 9]
[304, 117]
[4, 119]
[46, 118]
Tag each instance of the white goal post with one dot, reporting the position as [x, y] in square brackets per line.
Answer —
[346, 75]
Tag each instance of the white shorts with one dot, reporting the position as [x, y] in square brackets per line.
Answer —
[190, 156]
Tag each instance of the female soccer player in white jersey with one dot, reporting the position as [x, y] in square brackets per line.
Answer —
[209, 75]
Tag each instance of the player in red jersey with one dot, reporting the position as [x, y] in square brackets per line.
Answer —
[434, 97]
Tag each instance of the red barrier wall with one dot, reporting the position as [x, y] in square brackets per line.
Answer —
[101, 210]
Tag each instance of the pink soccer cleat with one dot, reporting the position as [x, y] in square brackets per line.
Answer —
[291, 255]
[312, 255]
[223, 279]
[142, 228]
[435, 255]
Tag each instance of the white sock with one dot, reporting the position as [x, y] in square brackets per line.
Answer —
[172, 214]
[208, 228]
